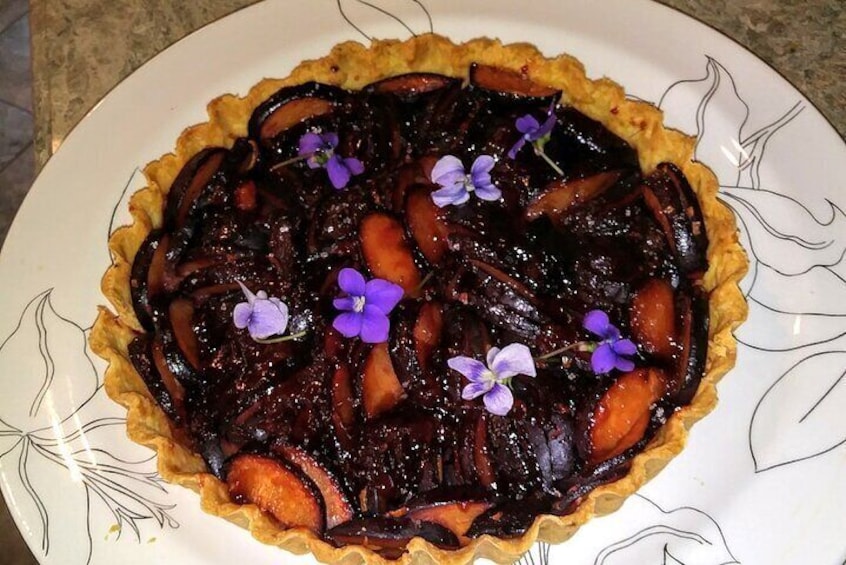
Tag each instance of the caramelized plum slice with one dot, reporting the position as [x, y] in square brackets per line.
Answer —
[653, 318]
[411, 84]
[562, 195]
[138, 279]
[456, 516]
[693, 340]
[427, 331]
[292, 105]
[429, 231]
[390, 533]
[181, 313]
[676, 209]
[381, 389]
[621, 416]
[171, 384]
[190, 183]
[343, 406]
[141, 355]
[338, 508]
[277, 488]
[481, 453]
[387, 252]
[499, 80]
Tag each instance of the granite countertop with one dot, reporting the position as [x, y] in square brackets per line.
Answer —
[83, 48]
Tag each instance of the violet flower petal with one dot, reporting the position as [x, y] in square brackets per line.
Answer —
[514, 359]
[624, 347]
[330, 138]
[267, 319]
[596, 322]
[344, 304]
[527, 124]
[470, 368]
[489, 193]
[491, 355]
[475, 390]
[241, 315]
[512, 153]
[348, 324]
[545, 128]
[355, 166]
[382, 294]
[374, 325]
[247, 292]
[603, 359]
[499, 400]
[451, 195]
[310, 143]
[483, 165]
[352, 282]
[339, 174]
[447, 170]
[623, 364]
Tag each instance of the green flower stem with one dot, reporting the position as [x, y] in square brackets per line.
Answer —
[542, 153]
[425, 280]
[578, 346]
[291, 161]
[281, 339]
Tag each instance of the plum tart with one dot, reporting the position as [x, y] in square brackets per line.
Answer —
[421, 302]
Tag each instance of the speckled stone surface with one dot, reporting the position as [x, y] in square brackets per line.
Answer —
[82, 48]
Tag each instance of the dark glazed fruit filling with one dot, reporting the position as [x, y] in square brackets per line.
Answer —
[373, 444]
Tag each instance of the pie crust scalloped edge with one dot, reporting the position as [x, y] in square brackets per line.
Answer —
[352, 65]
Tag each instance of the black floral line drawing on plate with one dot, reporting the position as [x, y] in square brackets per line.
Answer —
[821, 396]
[793, 246]
[48, 438]
[680, 536]
[401, 12]
[538, 555]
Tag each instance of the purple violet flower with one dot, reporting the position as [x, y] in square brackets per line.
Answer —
[533, 131]
[493, 380]
[457, 184]
[537, 134]
[319, 148]
[263, 316]
[365, 307]
[612, 352]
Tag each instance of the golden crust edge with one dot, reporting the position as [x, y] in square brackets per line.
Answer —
[353, 65]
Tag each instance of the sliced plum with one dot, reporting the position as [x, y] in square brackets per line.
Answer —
[293, 105]
[653, 318]
[510, 84]
[387, 252]
[190, 184]
[427, 332]
[139, 280]
[675, 207]
[338, 507]
[562, 195]
[621, 416]
[181, 313]
[693, 343]
[277, 488]
[381, 534]
[381, 389]
[411, 84]
[428, 229]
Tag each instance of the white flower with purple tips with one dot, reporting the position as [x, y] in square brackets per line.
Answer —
[261, 315]
[365, 308]
[493, 380]
[319, 151]
[457, 184]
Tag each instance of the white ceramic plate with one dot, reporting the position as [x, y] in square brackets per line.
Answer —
[761, 481]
